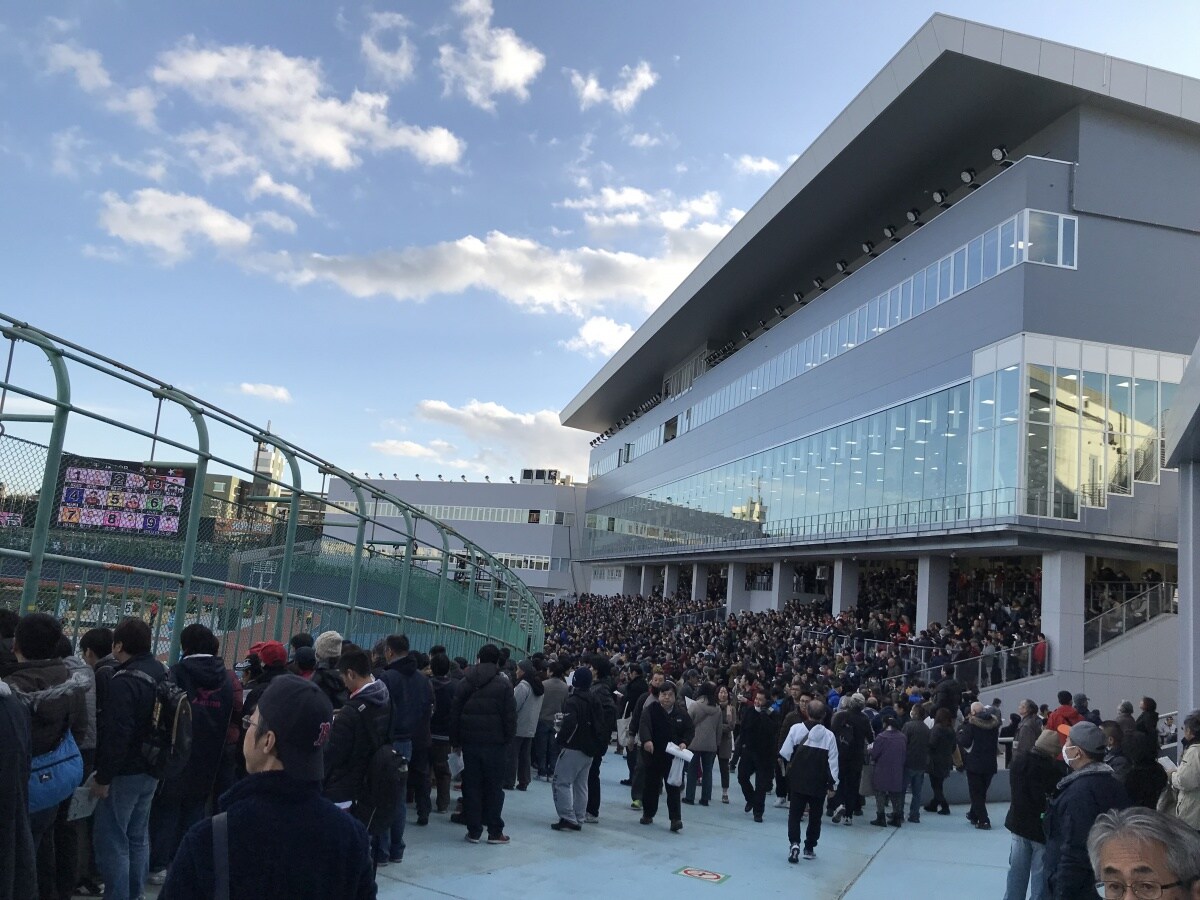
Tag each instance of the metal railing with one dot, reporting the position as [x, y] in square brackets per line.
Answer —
[1161, 599]
[1006, 665]
[152, 536]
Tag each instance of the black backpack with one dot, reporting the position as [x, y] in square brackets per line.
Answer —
[603, 711]
[167, 746]
[387, 773]
[844, 732]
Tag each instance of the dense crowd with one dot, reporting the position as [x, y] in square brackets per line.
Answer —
[118, 772]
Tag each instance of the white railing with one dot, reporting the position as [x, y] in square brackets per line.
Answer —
[1162, 599]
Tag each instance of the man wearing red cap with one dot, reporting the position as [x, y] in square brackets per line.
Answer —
[272, 656]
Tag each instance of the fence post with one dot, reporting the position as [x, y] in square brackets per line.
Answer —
[359, 537]
[54, 449]
[195, 508]
[441, 598]
[410, 549]
[290, 539]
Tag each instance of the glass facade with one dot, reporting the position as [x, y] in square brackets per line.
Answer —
[1029, 236]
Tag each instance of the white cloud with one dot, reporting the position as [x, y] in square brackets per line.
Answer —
[632, 82]
[491, 61]
[154, 168]
[67, 153]
[265, 185]
[139, 102]
[218, 152]
[103, 252]
[287, 112]
[642, 141]
[86, 65]
[599, 336]
[610, 198]
[391, 66]
[410, 449]
[275, 221]
[169, 223]
[273, 392]
[755, 165]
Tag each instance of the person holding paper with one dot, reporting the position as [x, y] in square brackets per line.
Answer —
[1186, 779]
[662, 723]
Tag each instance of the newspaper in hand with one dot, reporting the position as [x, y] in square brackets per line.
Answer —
[674, 749]
[1167, 763]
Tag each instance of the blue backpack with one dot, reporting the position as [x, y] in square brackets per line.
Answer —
[53, 776]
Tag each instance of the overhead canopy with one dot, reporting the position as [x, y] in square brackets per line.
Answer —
[956, 90]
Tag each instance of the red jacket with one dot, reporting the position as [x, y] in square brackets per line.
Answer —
[1064, 715]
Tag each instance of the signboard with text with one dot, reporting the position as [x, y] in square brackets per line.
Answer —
[122, 497]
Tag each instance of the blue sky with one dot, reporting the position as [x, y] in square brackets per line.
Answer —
[408, 233]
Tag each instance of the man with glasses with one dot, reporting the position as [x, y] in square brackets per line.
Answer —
[282, 838]
[1143, 854]
[1083, 795]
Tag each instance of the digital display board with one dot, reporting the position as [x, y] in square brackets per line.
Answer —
[117, 496]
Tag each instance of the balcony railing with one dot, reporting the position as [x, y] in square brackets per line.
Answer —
[1006, 665]
[1161, 599]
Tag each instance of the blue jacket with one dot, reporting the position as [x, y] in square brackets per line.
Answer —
[285, 840]
[1082, 796]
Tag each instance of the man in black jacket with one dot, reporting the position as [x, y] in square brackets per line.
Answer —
[948, 691]
[638, 779]
[663, 722]
[603, 688]
[853, 731]
[576, 738]
[412, 705]
[757, 745]
[17, 860]
[483, 719]
[439, 728]
[978, 739]
[1033, 777]
[180, 802]
[634, 689]
[123, 782]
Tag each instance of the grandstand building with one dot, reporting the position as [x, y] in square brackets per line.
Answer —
[944, 340]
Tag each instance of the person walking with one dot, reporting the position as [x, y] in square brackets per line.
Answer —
[978, 739]
[1033, 778]
[554, 695]
[757, 749]
[941, 761]
[657, 680]
[916, 759]
[527, 694]
[663, 722]
[706, 717]
[439, 729]
[811, 753]
[576, 738]
[887, 777]
[728, 716]
[853, 731]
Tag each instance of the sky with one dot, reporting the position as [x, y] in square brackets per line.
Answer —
[407, 234]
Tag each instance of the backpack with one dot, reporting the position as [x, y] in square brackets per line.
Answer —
[386, 775]
[603, 711]
[844, 733]
[168, 744]
[54, 775]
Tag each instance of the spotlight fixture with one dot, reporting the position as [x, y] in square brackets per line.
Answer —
[913, 216]
[867, 247]
[745, 333]
[842, 266]
[797, 296]
[512, 480]
[487, 479]
[889, 232]
[417, 476]
[819, 282]
[940, 196]
[1000, 155]
[779, 311]
[440, 478]
[967, 176]
[463, 477]
[762, 323]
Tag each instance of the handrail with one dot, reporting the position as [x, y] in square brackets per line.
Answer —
[1161, 599]
[1004, 657]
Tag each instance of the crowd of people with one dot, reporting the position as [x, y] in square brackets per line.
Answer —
[316, 750]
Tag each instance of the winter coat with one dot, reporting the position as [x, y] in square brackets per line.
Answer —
[75, 664]
[856, 724]
[206, 682]
[978, 738]
[53, 716]
[329, 680]
[812, 755]
[1033, 778]
[1062, 715]
[576, 732]
[1146, 778]
[633, 692]
[360, 727]
[528, 695]
[1082, 796]
[553, 699]
[412, 701]
[443, 698]
[1147, 723]
[604, 704]
[949, 695]
[125, 719]
[888, 753]
[660, 726]
[728, 719]
[254, 689]
[941, 751]
[17, 861]
[1119, 763]
[1127, 722]
[285, 840]
[706, 717]
[483, 710]
[1027, 734]
[1186, 781]
[916, 735]
[758, 736]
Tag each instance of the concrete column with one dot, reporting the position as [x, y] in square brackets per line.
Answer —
[699, 581]
[670, 579]
[649, 577]
[1063, 615]
[737, 598]
[933, 588]
[1189, 582]
[845, 585]
[781, 584]
[631, 579]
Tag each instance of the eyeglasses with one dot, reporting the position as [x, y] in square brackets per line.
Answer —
[248, 723]
[1143, 890]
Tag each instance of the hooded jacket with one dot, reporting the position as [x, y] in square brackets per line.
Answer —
[758, 736]
[706, 719]
[941, 751]
[979, 737]
[206, 682]
[75, 664]
[484, 711]
[443, 697]
[812, 754]
[1145, 780]
[1186, 781]
[360, 727]
[329, 679]
[54, 712]
[125, 719]
[1033, 777]
[576, 732]
[527, 696]
[412, 700]
[1082, 796]
[17, 860]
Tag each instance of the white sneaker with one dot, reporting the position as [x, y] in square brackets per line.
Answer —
[838, 814]
[157, 877]
[781, 803]
[590, 819]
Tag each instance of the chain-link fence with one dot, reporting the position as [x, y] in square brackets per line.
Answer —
[91, 533]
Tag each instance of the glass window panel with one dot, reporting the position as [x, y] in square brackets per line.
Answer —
[1008, 395]
[1093, 450]
[974, 262]
[1120, 466]
[808, 352]
[983, 409]
[873, 316]
[1039, 394]
[1145, 405]
[842, 338]
[918, 302]
[944, 280]
[1093, 399]
[852, 330]
[863, 333]
[1066, 461]
[1066, 403]
[1068, 240]
[906, 296]
[931, 286]
[1120, 403]
[991, 250]
[960, 270]
[1037, 469]
[1006, 456]
[981, 461]
[1042, 244]
[1008, 244]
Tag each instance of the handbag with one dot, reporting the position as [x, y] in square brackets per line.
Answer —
[54, 775]
[623, 730]
[956, 758]
[456, 764]
[675, 776]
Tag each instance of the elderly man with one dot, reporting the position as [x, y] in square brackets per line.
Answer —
[1030, 727]
[1140, 853]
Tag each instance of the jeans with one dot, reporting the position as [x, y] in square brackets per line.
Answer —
[390, 844]
[483, 788]
[977, 787]
[571, 785]
[545, 749]
[593, 786]
[121, 835]
[914, 781]
[815, 806]
[762, 772]
[439, 771]
[702, 766]
[171, 815]
[1025, 859]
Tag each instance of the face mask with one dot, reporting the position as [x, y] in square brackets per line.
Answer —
[1066, 758]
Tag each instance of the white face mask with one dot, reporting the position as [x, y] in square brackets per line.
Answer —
[1066, 758]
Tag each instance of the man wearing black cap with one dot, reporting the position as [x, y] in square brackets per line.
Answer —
[1089, 790]
[282, 838]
